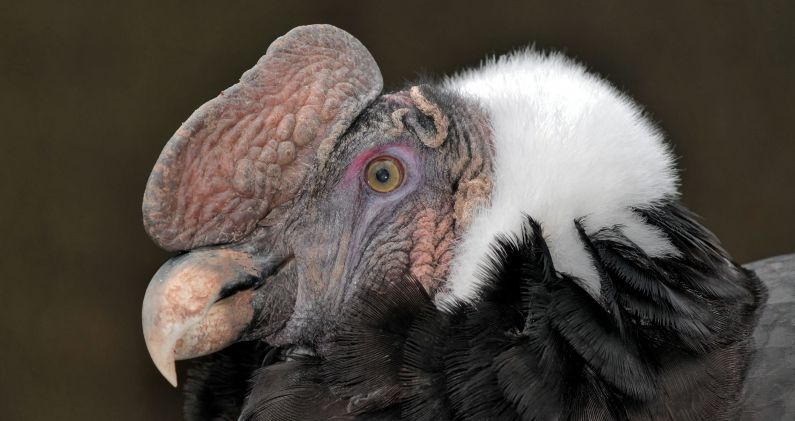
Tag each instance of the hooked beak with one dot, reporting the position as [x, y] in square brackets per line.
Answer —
[200, 302]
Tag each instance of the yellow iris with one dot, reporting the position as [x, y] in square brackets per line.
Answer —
[384, 174]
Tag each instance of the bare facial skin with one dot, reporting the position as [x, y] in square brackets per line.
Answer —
[366, 235]
[266, 188]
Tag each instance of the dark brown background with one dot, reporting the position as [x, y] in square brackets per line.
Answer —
[90, 91]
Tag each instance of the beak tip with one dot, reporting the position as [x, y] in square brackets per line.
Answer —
[167, 368]
[163, 355]
[172, 379]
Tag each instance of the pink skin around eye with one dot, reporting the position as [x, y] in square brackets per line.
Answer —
[374, 204]
[401, 152]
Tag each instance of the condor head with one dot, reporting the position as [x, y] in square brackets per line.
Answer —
[298, 187]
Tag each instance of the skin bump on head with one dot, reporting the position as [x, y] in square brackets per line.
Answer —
[433, 111]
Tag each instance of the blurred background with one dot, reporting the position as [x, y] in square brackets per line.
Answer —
[91, 90]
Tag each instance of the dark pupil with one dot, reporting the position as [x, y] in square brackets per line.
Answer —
[382, 175]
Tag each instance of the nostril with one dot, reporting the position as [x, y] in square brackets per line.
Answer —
[233, 288]
[252, 281]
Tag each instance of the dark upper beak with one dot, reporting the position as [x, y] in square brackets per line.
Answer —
[200, 302]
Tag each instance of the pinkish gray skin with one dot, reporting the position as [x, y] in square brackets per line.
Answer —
[263, 187]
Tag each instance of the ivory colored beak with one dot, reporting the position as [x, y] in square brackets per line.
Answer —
[198, 303]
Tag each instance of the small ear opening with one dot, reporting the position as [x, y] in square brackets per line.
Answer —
[430, 137]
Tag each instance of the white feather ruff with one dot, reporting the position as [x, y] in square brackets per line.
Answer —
[567, 145]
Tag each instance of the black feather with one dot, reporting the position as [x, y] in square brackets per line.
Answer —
[218, 384]
[666, 337]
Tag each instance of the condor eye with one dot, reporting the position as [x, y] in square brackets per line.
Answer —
[384, 174]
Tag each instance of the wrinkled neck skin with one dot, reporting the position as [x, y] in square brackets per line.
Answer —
[345, 239]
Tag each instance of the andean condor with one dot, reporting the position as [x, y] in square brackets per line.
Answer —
[504, 244]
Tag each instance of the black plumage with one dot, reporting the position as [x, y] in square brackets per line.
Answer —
[218, 384]
[667, 337]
